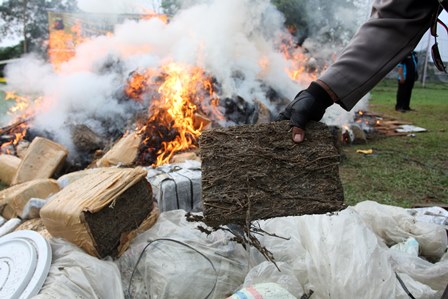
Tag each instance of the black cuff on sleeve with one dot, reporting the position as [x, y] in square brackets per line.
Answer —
[320, 94]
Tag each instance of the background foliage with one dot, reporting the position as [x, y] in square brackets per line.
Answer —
[29, 19]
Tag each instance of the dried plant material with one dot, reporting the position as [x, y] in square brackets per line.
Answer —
[254, 172]
[97, 211]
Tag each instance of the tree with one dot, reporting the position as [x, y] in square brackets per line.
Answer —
[170, 7]
[29, 19]
[296, 17]
[9, 53]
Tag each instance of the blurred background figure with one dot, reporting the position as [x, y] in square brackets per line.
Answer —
[407, 75]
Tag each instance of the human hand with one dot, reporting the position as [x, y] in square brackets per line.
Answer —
[300, 111]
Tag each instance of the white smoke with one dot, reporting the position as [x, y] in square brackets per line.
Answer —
[228, 39]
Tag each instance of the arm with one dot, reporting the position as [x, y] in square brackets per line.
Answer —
[394, 29]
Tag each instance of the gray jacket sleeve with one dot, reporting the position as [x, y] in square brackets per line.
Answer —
[393, 30]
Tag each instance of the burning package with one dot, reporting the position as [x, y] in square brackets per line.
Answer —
[99, 211]
[124, 152]
[177, 186]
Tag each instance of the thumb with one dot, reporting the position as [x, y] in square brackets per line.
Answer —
[298, 134]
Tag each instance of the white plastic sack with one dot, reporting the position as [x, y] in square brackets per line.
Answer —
[267, 272]
[394, 225]
[177, 186]
[263, 291]
[174, 259]
[32, 208]
[435, 215]
[76, 274]
[339, 256]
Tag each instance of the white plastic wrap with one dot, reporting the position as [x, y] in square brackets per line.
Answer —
[10, 226]
[32, 208]
[267, 290]
[395, 225]
[179, 261]
[435, 215]
[343, 255]
[75, 274]
[339, 256]
[267, 272]
[177, 186]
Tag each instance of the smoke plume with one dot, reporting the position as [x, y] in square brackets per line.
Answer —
[228, 39]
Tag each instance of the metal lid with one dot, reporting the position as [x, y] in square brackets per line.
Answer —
[25, 259]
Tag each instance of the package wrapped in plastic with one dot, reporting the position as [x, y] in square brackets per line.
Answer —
[437, 215]
[177, 186]
[267, 290]
[395, 225]
[174, 259]
[280, 273]
[339, 256]
[76, 274]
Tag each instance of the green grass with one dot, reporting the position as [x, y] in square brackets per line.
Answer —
[404, 170]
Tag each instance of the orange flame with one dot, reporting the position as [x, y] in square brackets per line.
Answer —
[21, 111]
[149, 14]
[181, 93]
[24, 105]
[300, 69]
[62, 44]
[17, 134]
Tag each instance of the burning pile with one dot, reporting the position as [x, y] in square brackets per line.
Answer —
[162, 83]
[174, 124]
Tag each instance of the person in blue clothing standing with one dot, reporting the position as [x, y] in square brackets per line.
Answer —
[407, 75]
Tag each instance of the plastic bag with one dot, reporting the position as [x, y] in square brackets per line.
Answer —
[32, 208]
[76, 274]
[435, 215]
[339, 256]
[280, 274]
[394, 225]
[263, 291]
[174, 259]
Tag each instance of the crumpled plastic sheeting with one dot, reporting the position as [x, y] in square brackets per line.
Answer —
[394, 225]
[179, 261]
[76, 274]
[268, 271]
[339, 256]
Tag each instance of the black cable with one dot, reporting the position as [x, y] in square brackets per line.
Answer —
[404, 286]
[191, 190]
[178, 242]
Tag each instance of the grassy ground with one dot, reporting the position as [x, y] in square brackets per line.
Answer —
[403, 171]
